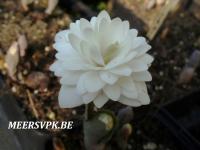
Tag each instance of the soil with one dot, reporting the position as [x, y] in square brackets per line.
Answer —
[175, 42]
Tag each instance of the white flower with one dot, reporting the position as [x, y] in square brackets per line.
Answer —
[101, 59]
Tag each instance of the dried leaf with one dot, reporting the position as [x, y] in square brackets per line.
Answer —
[160, 2]
[161, 18]
[150, 4]
[123, 135]
[12, 60]
[194, 59]
[126, 131]
[58, 144]
[125, 115]
[22, 41]
[186, 75]
[37, 80]
[189, 69]
[25, 3]
[51, 6]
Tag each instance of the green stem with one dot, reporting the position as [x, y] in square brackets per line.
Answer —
[86, 111]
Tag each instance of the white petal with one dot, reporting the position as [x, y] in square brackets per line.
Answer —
[75, 28]
[71, 78]
[85, 51]
[103, 26]
[142, 49]
[96, 55]
[121, 59]
[126, 27]
[84, 24]
[89, 36]
[104, 40]
[75, 41]
[122, 70]
[55, 67]
[146, 58]
[62, 46]
[100, 100]
[128, 88]
[130, 56]
[93, 21]
[116, 30]
[130, 102]
[108, 77]
[142, 76]
[138, 41]
[103, 14]
[129, 94]
[68, 97]
[144, 98]
[65, 54]
[81, 86]
[91, 52]
[138, 65]
[133, 33]
[92, 81]
[142, 93]
[62, 36]
[76, 63]
[88, 97]
[112, 91]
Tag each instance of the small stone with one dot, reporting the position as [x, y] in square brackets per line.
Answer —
[74, 112]
[129, 146]
[51, 115]
[14, 89]
[47, 48]
[25, 72]
[150, 146]
[161, 73]
[36, 92]
[45, 90]
[161, 87]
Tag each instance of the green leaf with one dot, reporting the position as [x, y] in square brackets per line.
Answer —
[99, 129]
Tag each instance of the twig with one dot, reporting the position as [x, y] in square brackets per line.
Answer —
[32, 104]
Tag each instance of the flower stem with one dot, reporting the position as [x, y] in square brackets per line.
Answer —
[86, 111]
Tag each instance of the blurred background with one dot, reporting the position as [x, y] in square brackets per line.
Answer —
[29, 90]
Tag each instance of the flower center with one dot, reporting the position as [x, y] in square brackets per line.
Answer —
[111, 52]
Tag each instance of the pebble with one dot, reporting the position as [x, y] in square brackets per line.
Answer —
[74, 112]
[47, 48]
[25, 72]
[150, 146]
[36, 92]
[161, 73]
[129, 146]
[51, 115]
[13, 89]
